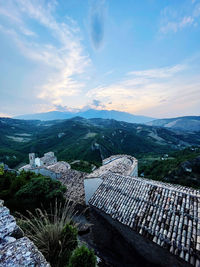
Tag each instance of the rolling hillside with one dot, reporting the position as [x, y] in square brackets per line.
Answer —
[90, 140]
[180, 167]
[187, 123]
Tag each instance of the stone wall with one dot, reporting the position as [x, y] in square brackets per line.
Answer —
[15, 249]
[46, 172]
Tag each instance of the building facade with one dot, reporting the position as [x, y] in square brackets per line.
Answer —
[48, 159]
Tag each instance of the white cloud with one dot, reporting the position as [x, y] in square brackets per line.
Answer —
[154, 92]
[159, 73]
[4, 115]
[63, 59]
[175, 20]
[175, 26]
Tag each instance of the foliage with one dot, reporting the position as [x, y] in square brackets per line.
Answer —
[28, 190]
[170, 170]
[83, 166]
[82, 257]
[69, 234]
[10, 183]
[53, 233]
[1, 169]
[40, 190]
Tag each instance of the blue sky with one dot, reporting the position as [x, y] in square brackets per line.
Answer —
[140, 56]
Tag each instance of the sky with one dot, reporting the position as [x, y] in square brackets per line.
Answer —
[137, 56]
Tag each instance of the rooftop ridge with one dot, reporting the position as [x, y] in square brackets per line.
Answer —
[175, 187]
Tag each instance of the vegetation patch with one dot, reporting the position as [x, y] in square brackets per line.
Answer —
[19, 139]
[180, 167]
[55, 235]
[29, 191]
[90, 135]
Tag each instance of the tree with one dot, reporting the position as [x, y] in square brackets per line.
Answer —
[1, 169]
[82, 257]
[40, 191]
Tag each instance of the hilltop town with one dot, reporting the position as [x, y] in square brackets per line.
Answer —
[99, 133]
[160, 221]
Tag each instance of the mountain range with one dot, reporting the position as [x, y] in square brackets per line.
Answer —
[186, 123]
[87, 114]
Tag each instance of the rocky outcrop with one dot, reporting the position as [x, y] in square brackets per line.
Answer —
[15, 249]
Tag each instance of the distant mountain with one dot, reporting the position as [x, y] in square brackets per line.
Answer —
[88, 114]
[187, 123]
[47, 116]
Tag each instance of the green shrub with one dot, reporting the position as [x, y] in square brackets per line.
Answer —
[82, 257]
[6, 181]
[28, 190]
[40, 191]
[1, 169]
[69, 237]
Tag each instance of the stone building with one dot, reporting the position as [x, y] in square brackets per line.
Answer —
[160, 221]
[48, 159]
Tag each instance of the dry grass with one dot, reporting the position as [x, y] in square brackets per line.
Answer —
[46, 230]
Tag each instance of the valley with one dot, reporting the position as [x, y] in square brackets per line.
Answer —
[88, 141]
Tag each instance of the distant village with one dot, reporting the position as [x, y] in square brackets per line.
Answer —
[161, 221]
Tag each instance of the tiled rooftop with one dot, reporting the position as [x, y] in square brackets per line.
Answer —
[121, 164]
[59, 167]
[74, 181]
[167, 214]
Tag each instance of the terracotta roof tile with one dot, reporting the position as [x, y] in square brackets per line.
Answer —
[167, 214]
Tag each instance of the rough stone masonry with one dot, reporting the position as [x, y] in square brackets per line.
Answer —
[16, 249]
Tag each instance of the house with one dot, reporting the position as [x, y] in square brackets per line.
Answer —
[159, 220]
[48, 159]
[119, 164]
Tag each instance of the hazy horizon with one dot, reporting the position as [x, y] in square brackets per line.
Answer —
[82, 110]
[140, 57]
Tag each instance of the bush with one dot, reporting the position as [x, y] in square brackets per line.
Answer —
[82, 257]
[28, 190]
[69, 235]
[1, 169]
[40, 191]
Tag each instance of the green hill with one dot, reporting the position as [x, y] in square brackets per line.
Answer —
[180, 167]
[90, 140]
[187, 123]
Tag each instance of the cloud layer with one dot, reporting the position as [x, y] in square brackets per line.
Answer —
[156, 92]
[61, 57]
[61, 74]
